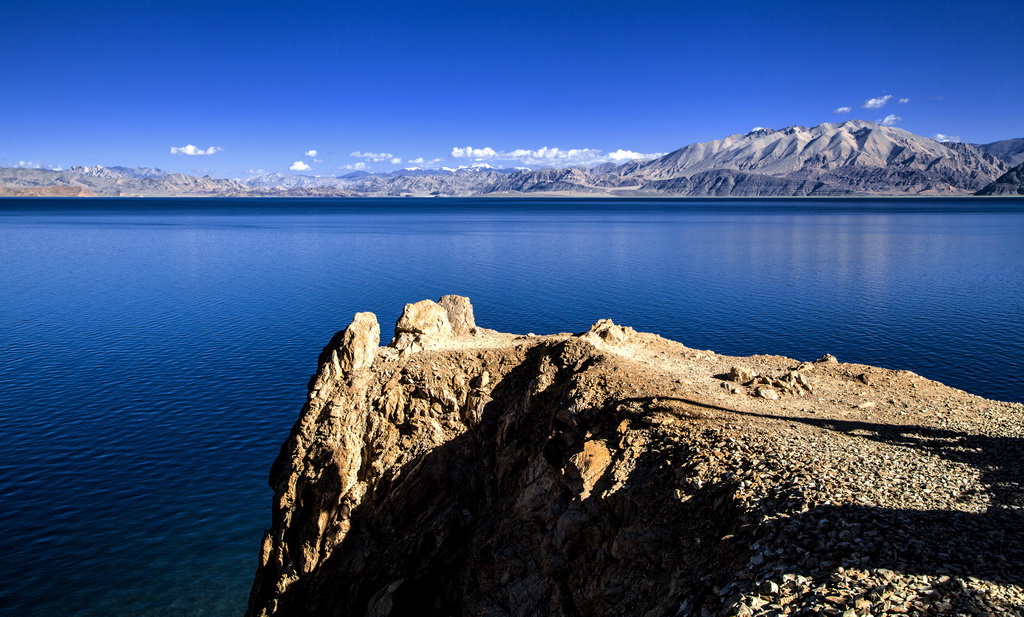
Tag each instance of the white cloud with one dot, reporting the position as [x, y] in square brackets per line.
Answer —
[946, 138]
[317, 161]
[877, 103]
[552, 156]
[373, 157]
[903, 101]
[311, 153]
[191, 150]
[890, 120]
[396, 161]
[473, 153]
[842, 110]
[620, 155]
[34, 165]
[299, 166]
[419, 160]
[357, 166]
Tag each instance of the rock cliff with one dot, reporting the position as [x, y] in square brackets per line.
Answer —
[462, 471]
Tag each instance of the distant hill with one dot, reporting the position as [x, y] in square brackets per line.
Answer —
[1010, 151]
[1010, 183]
[121, 182]
[46, 191]
[856, 157]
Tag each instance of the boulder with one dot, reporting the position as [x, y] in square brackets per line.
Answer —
[606, 331]
[460, 314]
[359, 343]
[741, 375]
[423, 324]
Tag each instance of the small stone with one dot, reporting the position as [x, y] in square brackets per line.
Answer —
[481, 380]
[770, 588]
[741, 375]
[767, 393]
[829, 358]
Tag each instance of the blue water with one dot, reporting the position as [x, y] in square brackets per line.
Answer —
[154, 353]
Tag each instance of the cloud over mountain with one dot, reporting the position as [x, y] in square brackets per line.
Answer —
[546, 156]
[373, 157]
[191, 150]
[877, 103]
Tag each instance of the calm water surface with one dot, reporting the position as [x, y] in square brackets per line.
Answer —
[154, 353]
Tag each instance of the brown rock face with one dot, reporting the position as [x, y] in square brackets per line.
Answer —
[422, 325]
[359, 344]
[460, 314]
[466, 472]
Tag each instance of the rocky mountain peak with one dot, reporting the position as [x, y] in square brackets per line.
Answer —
[856, 155]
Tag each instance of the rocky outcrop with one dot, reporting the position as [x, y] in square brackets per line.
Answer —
[461, 471]
[1009, 184]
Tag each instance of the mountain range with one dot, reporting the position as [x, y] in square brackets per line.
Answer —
[850, 158]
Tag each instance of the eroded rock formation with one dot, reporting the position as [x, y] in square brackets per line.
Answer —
[461, 471]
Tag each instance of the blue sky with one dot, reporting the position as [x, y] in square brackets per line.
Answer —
[259, 86]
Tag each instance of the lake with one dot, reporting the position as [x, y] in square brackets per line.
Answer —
[154, 353]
